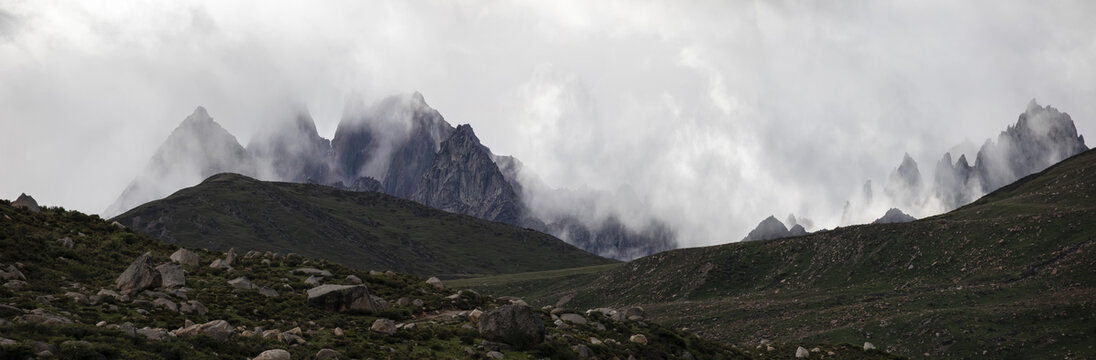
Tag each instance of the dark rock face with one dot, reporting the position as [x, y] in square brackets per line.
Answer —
[1042, 136]
[770, 228]
[516, 325]
[611, 239]
[797, 230]
[26, 202]
[394, 141]
[894, 216]
[343, 298]
[197, 149]
[464, 179]
[291, 150]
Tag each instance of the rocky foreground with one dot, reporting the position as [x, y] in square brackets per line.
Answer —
[75, 286]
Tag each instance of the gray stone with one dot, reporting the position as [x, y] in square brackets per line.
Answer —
[193, 307]
[583, 351]
[638, 339]
[353, 280]
[172, 275]
[15, 285]
[327, 354]
[801, 353]
[273, 354]
[268, 292]
[241, 283]
[384, 326]
[220, 264]
[66, 242]
[219, 330]
[166, 304]
[313, 280]
[435, 282]
[140, 275]
[156, 334]
[495, 355]
[25, 201]
[12, 273]
[573, 318]
[512, 324]
[868, 346]
[185, 257]
[312, 271]
[343, 298]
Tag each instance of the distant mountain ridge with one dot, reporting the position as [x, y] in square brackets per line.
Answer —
[399, 146]
[1042, 136]
[365, 230]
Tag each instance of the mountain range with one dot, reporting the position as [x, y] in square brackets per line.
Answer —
[399, 146]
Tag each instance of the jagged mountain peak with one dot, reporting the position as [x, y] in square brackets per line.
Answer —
[770, 228]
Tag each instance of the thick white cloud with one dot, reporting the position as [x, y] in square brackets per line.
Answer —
[709, 115]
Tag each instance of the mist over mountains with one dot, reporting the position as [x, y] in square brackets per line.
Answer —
[1041, 137]
[399, 146]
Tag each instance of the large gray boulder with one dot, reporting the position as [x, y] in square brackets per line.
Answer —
[26, 202]
[140, 275]
[344, 298]
[172, 275]
[516, 325]
[274, 354]
[185, 257]
[219, 330]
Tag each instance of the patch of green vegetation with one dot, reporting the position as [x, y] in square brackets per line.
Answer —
[363, 230]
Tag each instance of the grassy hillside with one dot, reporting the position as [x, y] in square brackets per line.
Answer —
[1008, 276]
[363, 230]
[62, 282]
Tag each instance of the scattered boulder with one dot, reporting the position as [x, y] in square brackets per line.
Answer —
[12, 273]
[868, 346]
[118, 225]
[384, 326]
[185, 257]
[573, 318]
[338, 332]
[801, 353]
[155, 334]
[15, 285]
[268, 292]
[312, 271]
[39, 316]
[140, 275]
[353, 280]
[343, 298]
[435, 282]
[165, 304]
[66, 242]
[293, 338]
[583, 351]
[327, 354]
[313, 280]
[634, 313]
[403, 301]
[230, 256]
[418, 303]
[220, 264]
[512, 324]
[273, 354]
[25, 201]
[171, 275]
[638, 339]
[219, 330]
[9, 311]
[193, 307]
[475, 315]
[241, 283]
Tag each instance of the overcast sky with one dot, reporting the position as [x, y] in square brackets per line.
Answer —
[708, 115]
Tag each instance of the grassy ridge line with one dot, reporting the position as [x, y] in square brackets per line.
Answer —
[364, 230]
[1010, 272]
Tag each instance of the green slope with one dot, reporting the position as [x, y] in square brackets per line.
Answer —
[364, 230]
[63, 281]
[1010, 275]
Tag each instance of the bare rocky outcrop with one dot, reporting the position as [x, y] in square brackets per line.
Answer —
[516, 325]
[344, 298]
[464, 179]
[140, 275]
[770, 228]
[894, 216]
[25, 201]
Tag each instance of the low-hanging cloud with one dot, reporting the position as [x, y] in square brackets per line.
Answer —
[706, 116]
